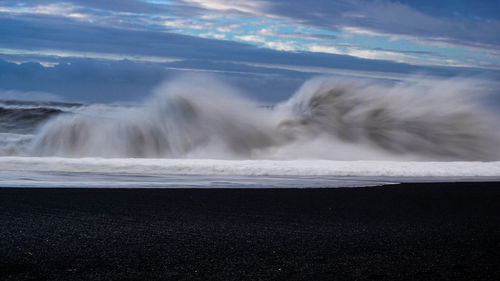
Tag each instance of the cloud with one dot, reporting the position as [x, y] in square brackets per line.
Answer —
[79, 40]
[50, 9]
[59, 9]
[391, 19]
[241, 6]
[121, 81]
[81, 80]
[290, 25]
[324, 49]
[28, 96]
[468, 23]
[251, 38]
[473, 30]
[136, 6]
[59, 34]
[395, 20]
[281, 46]
[296, 35]
[182, 23]
[51, 40]
[268, 80]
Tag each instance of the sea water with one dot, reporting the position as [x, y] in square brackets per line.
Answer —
[204, 133]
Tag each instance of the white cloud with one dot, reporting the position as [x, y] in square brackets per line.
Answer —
[391, 21]
[300, 27]
[267, 43]
[403, 57]
[324, 49]
[56, 9]
[251, 38]
[281, 46]
[183, 24]
[88, 55]
[248, 7]
[267, 32]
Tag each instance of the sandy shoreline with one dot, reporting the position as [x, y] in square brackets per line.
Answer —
[426, 231]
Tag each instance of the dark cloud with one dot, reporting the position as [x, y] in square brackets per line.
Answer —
[48, 33]
[394, 18]
[83, 80]
[432, 54]
[111, 5]
[87, 80]
[106, 80]
[109, 8]
[470, 23]
[138, 7]
[485, 10]
[63, 34]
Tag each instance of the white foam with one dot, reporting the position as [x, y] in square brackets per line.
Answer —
[252, 167]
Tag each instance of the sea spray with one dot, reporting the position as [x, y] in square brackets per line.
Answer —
[204, 119]
[201, 117]
[441, 120]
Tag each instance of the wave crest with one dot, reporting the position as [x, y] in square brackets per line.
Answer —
[327, 118]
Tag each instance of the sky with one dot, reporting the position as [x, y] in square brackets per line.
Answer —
[119, 50]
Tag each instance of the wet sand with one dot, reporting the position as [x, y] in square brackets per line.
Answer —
[429, 231]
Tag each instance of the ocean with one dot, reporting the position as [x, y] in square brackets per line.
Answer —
[328, 134]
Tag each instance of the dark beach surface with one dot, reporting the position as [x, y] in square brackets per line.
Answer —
[428, 231]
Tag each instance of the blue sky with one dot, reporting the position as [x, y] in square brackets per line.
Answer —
[128, 46]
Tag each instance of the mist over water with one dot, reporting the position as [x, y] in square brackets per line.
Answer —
[327, 118]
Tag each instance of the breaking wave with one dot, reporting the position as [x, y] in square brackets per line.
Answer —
[200, 117]
[24, 119]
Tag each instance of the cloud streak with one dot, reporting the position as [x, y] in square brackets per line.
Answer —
[380, 36]
[394, 21]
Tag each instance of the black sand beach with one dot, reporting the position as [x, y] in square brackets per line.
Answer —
[444, 231]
